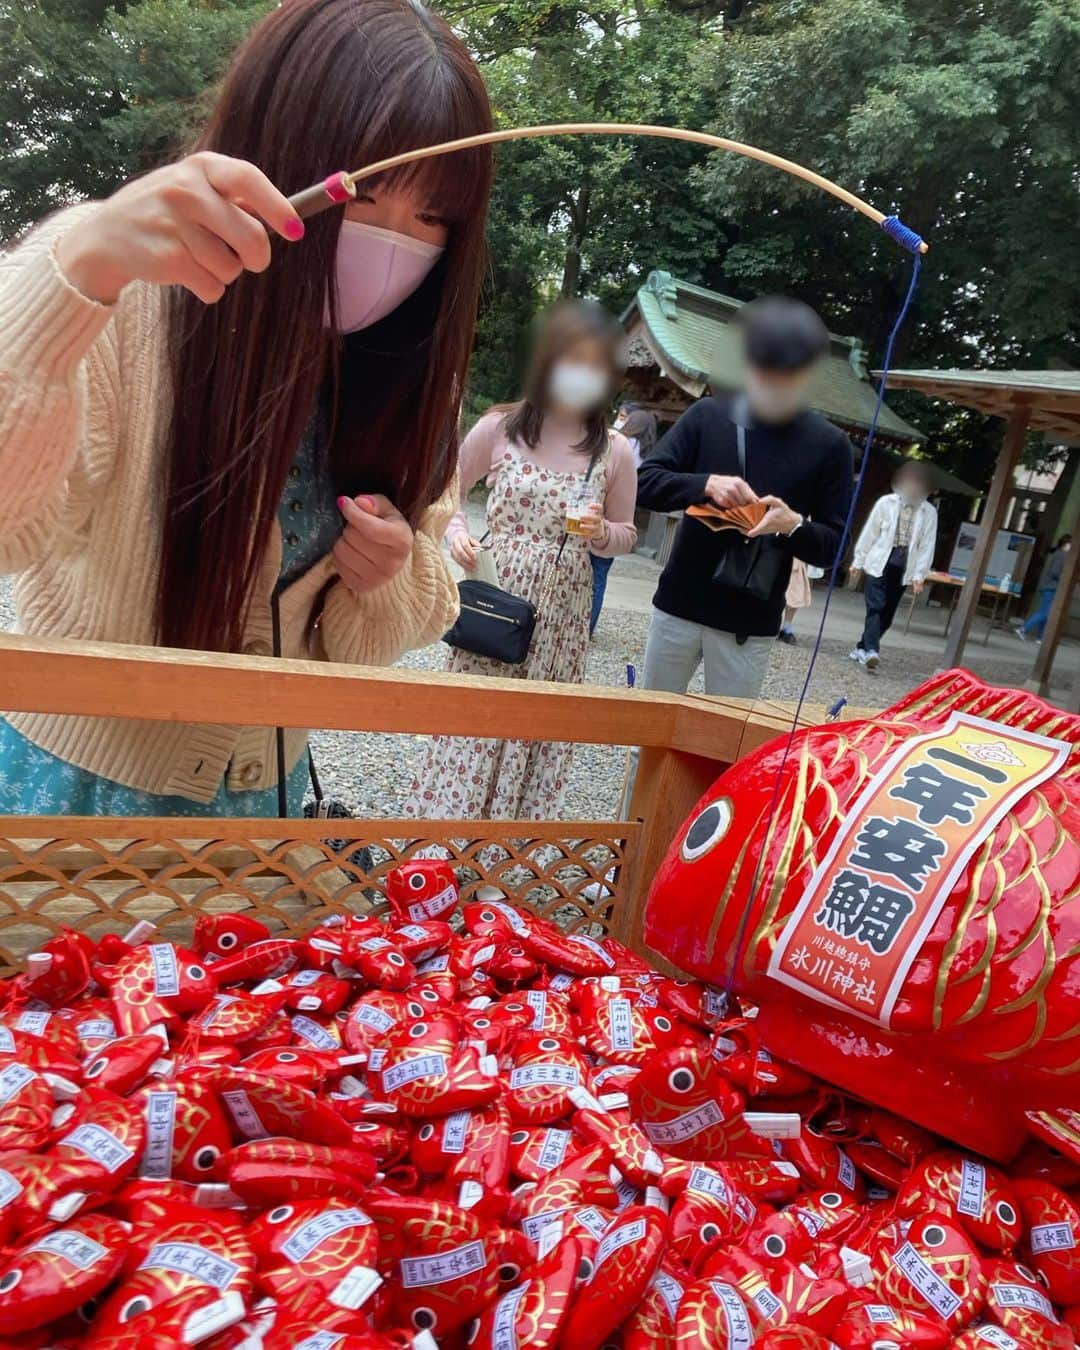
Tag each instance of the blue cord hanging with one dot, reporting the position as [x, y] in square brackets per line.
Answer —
[894, 227]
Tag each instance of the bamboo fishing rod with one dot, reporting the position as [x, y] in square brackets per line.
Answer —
[340, 187]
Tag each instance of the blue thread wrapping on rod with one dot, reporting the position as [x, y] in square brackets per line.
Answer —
[836, 709]
[895, 228]
[740, 934]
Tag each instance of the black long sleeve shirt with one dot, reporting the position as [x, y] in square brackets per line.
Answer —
[806, 462]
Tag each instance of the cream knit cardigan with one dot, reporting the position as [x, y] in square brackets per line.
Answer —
[83, 399]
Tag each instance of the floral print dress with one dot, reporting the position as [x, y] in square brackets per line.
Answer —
[475, 779]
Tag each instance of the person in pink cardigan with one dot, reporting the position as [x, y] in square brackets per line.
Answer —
[538, 457]
[207, 404]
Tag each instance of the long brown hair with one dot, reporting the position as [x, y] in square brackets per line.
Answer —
[320, 85]
[566, 323]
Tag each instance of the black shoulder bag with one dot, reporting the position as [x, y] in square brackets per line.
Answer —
[758, 567]
[496, 624]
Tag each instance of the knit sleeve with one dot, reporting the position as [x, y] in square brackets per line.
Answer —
[413, 610]
[619, 501]
[47, 381]
[475, 463]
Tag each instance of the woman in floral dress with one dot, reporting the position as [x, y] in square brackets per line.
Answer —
[536, 455]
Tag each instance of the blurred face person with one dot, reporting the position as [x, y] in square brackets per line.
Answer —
[783, 340]
[911, 485]
[580, 378]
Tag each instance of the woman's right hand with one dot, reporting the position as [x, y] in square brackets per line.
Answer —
[198, 223]
[463, 550]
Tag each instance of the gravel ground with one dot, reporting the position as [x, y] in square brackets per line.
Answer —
[372, 773]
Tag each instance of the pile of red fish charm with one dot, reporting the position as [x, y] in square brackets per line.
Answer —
[463, 1127]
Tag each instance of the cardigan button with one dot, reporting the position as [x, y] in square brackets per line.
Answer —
[258, 648]
[251, 773]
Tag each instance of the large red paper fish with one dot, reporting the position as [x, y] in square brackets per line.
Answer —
[913, 932]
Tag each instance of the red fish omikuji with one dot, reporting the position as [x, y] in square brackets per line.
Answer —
[473, 1129]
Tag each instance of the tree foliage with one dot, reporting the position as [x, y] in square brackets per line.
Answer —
[959, 116]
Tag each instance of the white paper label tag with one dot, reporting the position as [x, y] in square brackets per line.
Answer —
[33, 1022]
[561, 982]
[7, 1041]
[545, 1075]
[96, 1029]
[621, 1024]
[995, 1336]
[100, 1144]
[376, 1059]
[370, 1016]
[512, 917]
[166, 970]
[813, 1223]
[715, 1003]
[431, 909]
[923, 1278]
[553, 1149]
[766, 1302]
[1023, 1296]
[12, 1081]
[592, 1221]
[880, 1312]
[244, 1114]
[972, 1188]
[1052, 1237]
[302, 978]
[846, 1170]
[160, 1123]
[417, 1271]
[629, 1232]
[434, 965]
[740, 1336]
[455, 1128]
[706, 1182]
[414, 932]
[670, 1290]
[81, 1251]
[320, 1340]
[503, 1328]
[315, 1231]
[595, 948]
[684, 1126]
[10, 1189]
[188, 1258]
[375, 944]
[537, 1001]
[423, 1066]
[534, 1226]
[313, 1032]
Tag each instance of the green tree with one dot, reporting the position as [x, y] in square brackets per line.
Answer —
[92, 93]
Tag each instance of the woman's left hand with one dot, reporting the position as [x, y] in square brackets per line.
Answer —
[778, 519]
[375, 544]
[592, 522]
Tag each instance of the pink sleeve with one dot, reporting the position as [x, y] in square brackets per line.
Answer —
[619, 501]
[475, 456]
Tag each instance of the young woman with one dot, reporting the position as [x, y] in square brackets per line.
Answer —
[536, 456]
[208, 404]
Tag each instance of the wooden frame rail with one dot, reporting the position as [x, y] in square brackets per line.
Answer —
[590, 875]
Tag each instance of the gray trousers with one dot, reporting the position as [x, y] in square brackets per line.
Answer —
[675, 649]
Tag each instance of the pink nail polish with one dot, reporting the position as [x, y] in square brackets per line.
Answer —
[367, 502]
[294, 228]
[342, 502]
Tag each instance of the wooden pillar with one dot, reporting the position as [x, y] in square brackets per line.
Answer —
[1055, 626]
[998, 496]
[668, 784]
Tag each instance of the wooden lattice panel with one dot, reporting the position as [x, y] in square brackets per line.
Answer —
[103, 875]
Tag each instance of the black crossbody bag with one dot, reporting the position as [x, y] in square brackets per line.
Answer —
[496, 624]
[758, 567]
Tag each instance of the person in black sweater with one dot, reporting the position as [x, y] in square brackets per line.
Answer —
[796, 462]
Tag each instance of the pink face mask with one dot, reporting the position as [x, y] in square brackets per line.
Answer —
[376, 270]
